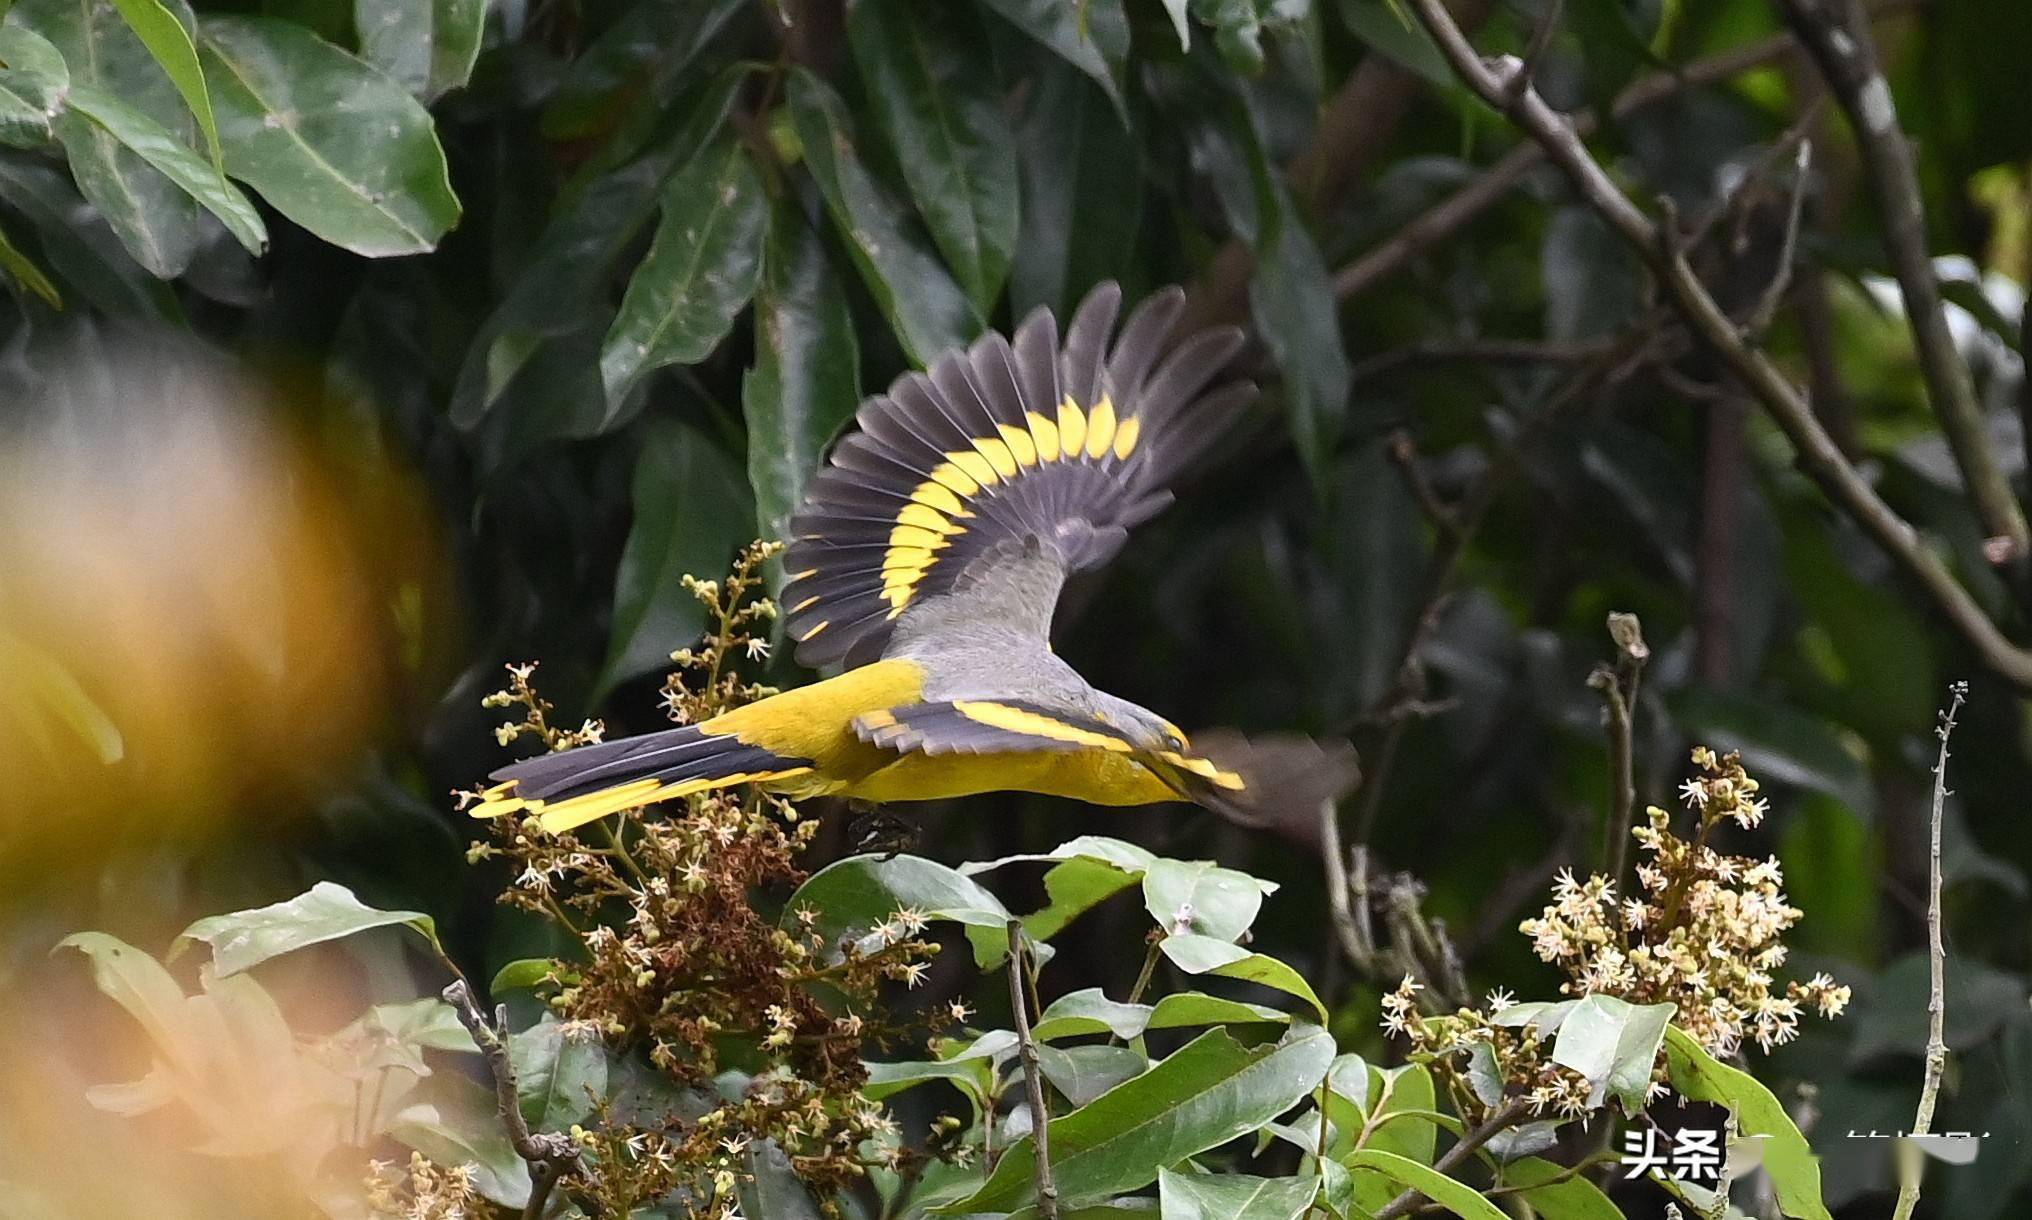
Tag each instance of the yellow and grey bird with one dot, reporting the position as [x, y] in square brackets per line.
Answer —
[928, 557]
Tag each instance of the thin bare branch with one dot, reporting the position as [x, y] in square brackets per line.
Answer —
[1505, 1117]
[1447, 217]
[550, 1156]
[1936, 983]
[1837, 34]
[1818, 455]
[1033, 1077]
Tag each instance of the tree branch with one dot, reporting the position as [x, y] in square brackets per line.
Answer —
[1818, 455]
[1463, 1148]
[551, 1156]
[1033, 1079]
[1619, 687]
[1441, 221]
[1837, 34]
[1910, 1162]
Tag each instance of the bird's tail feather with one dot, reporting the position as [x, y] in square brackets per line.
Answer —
[577, 786]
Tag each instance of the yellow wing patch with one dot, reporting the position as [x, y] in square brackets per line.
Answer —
[1036, 724]
[559, 816]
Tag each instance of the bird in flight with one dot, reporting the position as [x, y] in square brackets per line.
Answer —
[927, 559]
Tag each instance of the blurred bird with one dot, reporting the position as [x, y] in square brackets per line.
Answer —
[928, 558]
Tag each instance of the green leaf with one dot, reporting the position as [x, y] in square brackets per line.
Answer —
[1406, 1090]
[699, 274]
[690, 516]
[1384, 27]
[138, 983]
[1083, 1073]
[167, 35]
[1698, 1076]
[245, 939]
[154, 218]
[332, 143]
[81, 247]
[560, 1072]
[972, 1076]
[24, 272]
[1176, 10]
[806, 381]
[523, 974]
[461, 1127]
[925, 307]
[1082, 186]
[932, 85]
[1201, 897]
[1092, 36]
[429, 1023]
[565, 274]
[161, 149]
[1571, 1198]
[1090, 1011]
[1090, 869]
[1196, 954]
[426, 46]
[1234, 1196]
[32, 86]
[862, 893]
[1460, 1199]
[1614, 1044]
[1208, 1092]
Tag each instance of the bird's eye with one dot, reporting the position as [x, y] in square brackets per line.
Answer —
[1172, 741]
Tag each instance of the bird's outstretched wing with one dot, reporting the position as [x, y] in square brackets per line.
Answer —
[1024, 449]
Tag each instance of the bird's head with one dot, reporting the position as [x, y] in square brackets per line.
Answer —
[1149, 731]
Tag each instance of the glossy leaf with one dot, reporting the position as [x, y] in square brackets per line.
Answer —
[1208, 1092]
[33, 81]
[807, 376]
[933, 88]
[1405, 1090]
[690, 515]
[560, 1072]
[523, 974]
[138, 983]
[565, 273]
[1234, 1196]
[154, 218]
[1197, 954]
[326, 911]
[925, 306]
[1698, 1076]
[173, 159]
[332, 143]
[700, 271]
[1201, 897]
[1090, 1011]
[460, 1127]
[80, 246]
[167, 33]
[1556, 1193]
[651, 40]
[1457, 1197]
[1083, 1073]
[426, 46]
[1614, 1044]
[1093, 37]
[861, 893]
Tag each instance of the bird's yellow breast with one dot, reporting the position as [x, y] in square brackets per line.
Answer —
[1094, 776]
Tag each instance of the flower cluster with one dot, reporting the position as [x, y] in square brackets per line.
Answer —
[675, 962]
[424, 1191]
[521, 692]
[1702, 931]
[1481, 1060]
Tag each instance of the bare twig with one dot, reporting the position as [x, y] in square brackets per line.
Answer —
[1759, 318]
[1910, 1163]
[550, 1155]
[1837, 35]
[1493, 351]
[1441, 221]
[1359, 949]
[1619, 687]
[1463, 1148]
[1541, 42]
[1033, 1078]
[1817, 453]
